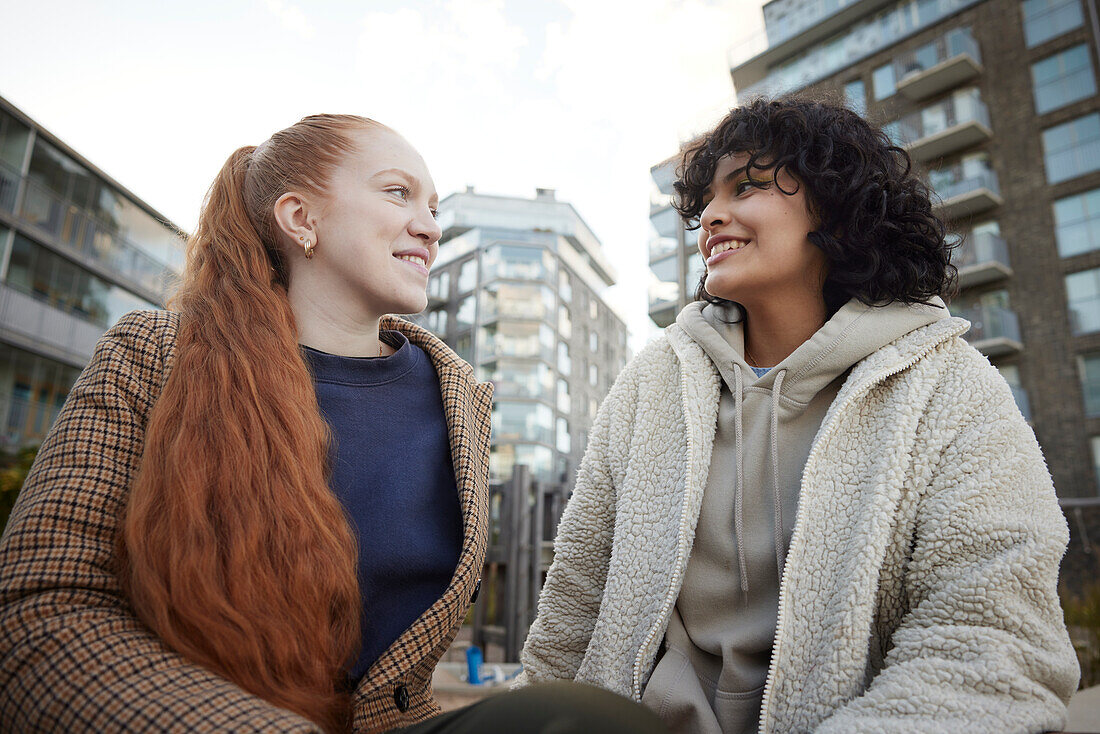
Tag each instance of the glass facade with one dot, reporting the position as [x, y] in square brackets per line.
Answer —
[1083, 301]
[538, 459]
[858, 41]
[1072, 148]
[32, 391]
[1077, 223]
[517, 339]
[66, 286]
[521, 379]
[518, 262]
[1063, 78]
[523, 422]
[517, 300]
[1047, 19]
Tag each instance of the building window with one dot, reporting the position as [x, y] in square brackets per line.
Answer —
[855, 95]
[523, 422]
[32, 391]
[1094, 443]
[593, 375]
[593, 407]
[513, 378]
[565, 287]
[593, 308]
[883, 81]
[593, 341]
[1011, 375]
[538, 459]
[440, 285]
[467, 275]
[519, 262]
[467, 311]
[564, 404]
[1063, 78]
[565, 323]
[1077, 223]
[1088, 365]
[564, 439]
[1073, 148]
[437, 321]
[1083, 296]
[1046, 19]
[565, 364]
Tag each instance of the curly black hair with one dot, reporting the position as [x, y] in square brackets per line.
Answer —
[874, 215]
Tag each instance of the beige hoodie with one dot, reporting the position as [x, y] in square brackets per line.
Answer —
[717, 647]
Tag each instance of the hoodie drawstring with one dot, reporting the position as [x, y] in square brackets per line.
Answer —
[780, 551]
[739, 488]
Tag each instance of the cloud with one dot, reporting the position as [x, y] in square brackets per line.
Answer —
[291, 17]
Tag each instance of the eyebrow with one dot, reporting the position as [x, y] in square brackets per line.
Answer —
[413, 180]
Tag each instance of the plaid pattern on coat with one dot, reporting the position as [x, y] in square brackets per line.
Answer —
[73, 656]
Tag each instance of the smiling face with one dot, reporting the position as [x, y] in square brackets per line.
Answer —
[374, 229]
[753, 237]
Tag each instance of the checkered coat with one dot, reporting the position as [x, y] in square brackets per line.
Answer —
[73, 656]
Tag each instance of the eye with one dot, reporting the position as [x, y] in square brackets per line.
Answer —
[400, 191]
[435, 213]
[747, 184]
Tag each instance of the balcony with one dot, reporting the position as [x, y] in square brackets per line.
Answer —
[663, 302]
[9, 185]
[943, 64]
[97, 242]
[963, 192]
[981, 258]
[957, 123]
[994, 331]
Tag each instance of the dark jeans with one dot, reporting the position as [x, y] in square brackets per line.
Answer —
[548, 708]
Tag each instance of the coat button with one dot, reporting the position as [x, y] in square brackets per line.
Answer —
[477, 590]
[401, 697]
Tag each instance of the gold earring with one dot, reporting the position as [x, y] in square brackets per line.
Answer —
[309, 250]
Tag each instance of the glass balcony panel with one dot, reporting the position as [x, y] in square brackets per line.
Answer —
[1020, 395]
[965, 188]
[9, 185]
[982, 258]
[956, 123]
[994, 331]
[1092, 398]
[942, 64]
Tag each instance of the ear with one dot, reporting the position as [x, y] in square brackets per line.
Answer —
[293, 220]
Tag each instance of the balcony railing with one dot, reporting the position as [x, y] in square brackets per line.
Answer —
[946, 62]
[962, 193]
[981, 258]
[956, 123]
[79, 230]
[994, 331]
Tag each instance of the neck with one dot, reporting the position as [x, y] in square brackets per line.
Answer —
[774, 330]
[329, 326]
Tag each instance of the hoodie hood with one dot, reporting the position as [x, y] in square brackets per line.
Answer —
[854, 332]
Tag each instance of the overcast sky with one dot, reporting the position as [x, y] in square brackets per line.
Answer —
[578, 95]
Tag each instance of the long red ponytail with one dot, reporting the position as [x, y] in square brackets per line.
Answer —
[234, 549]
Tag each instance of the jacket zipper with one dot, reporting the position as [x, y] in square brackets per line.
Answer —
[681, 551]
[765, 706]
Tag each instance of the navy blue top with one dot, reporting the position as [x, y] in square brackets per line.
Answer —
[392, 470]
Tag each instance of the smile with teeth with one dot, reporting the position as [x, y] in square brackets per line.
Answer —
[728, 245]
[414, 259]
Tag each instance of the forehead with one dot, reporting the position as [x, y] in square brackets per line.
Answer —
[378, 149]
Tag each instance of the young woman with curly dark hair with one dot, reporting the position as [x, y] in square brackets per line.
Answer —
[811, 505]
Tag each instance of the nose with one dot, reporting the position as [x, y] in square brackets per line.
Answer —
[713, 215]
[426, 227]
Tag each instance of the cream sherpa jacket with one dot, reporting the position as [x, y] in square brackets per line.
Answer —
[919, 587]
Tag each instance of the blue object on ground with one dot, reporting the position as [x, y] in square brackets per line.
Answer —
[473, 665]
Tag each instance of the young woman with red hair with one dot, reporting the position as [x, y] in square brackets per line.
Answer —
[265, 509]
